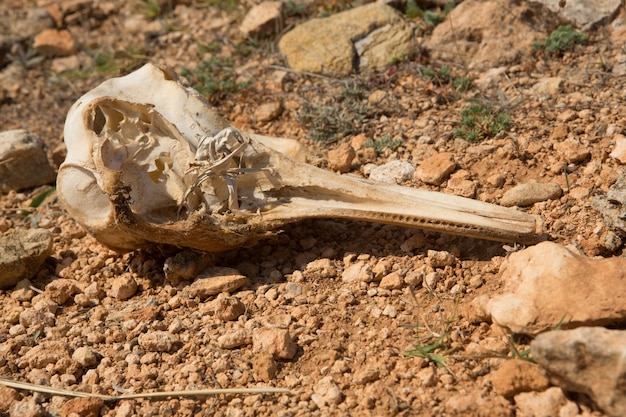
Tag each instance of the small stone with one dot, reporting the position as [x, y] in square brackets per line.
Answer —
[548, 86]
[27, 408]
[263, 20]
[24, 161]
[159, 341]
[496, 180]
[515, 376]
[84, 407]
[264, 367]
[234, 338]
[417, 241]
[229, 308]
[52, 42]
[440, 259]
[215, 280]
[277, 342]
[23, 291]
[123, 287]
[45, 353]
[60, 290]
[394, 172]
[619, 152]
[328, 390]
[35, 319]
[86, 357]
[22, 252]
[572, 151]
[267, 112]
[530, 193]
[462, 187]
[546, 403]
[340, 159]
[392, 281]
[435, 169]
[359, 271]
[559, 133]
[390, 311]
[587, 360]
[366, 374]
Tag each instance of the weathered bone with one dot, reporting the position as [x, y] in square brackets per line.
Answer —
[149, 161]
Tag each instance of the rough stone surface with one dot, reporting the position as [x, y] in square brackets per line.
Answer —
[585, 14]
[85, 407]
[546, 403]
[216, 280]
[264, 366]
[435, 169]
[515, 376]
[340, 159]
[612, 205]
[123, 287]
[530, 193]
[23, 161]
[589, 360]
[277, 342]
[22, 252]
[61, 290]
[394, 172]
[359, 271]
[263, 20]
[361, 38]
[52, 42]
[234, 339]
[548, 284]
[159, 341]
[619, 152]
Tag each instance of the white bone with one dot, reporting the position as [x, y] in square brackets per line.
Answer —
[149, 161]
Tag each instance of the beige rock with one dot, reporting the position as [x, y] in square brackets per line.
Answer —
[22, 252]
[359, 271]
[619, 152]
[267, 112]
[393, 281]
[61, 290]
[23, 161]
[589, 360]
[277, 342]
[392, 172]
[546, 285]
[572, 151]
[462, 187]
[440, 259]
[548, 86]
[361, 38]
[585, 14]
[52, 42]
[159, 341]
[546, 403]
[123, 287]
[530, 193]
[515, 376]
[489, 33]
[340, 159]
[264, 367]
[216, 280]
[7, 397]
[85, 357]
[435, 169]
[45, 353]
[234, 338]
[265, 19]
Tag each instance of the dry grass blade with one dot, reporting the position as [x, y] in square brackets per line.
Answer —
[152, 395]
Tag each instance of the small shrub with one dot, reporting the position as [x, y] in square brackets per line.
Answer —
[385, 142]
[561, 40]
[479, 122]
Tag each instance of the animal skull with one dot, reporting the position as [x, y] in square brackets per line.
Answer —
[149, 161]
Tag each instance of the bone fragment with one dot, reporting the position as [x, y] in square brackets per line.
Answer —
[150, 162]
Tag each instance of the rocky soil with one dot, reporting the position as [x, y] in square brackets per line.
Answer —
[353, 318]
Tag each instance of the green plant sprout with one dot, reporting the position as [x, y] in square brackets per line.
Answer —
[214, 76]
[479, 122]
[560, 40]
[385, 142]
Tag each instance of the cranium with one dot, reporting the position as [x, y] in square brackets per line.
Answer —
[149, 161]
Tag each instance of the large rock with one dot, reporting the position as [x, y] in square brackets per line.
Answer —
[22, 253]
[548, 284]
[365, 37]
[483, 34]
[589, 360]
[23, 161]
[585, 14]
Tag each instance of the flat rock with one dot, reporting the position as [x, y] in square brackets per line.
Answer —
[547, 285]
[361, 38]
[23, 161]
[588, 360]
[585, 14]
[22, 252]
[394, 172]
[435, 169]
[265, 19]
[486, 34]
[530, 193]
[216, 280]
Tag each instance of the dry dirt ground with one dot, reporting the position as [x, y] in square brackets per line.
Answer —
[354, 339]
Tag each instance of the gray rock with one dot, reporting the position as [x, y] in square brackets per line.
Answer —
[394, 172]
[365, 37]
[547, 285]
[612, 206]
[585, 14]
[588, 360]
[23, 161]
[22, 252]
[530, 193]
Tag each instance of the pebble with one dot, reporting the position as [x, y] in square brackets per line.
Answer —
[326, 392]
[27, 408]
[277, 342]
[264, 367]
[234, 338]
[45, 353]
[530, 193]
[123, 287]
[262, 20]
[546, 403]
[435, 169]
[394, 172]
[392, 281]
[267, 112]
[619, 152]
[440, 259]
[24, 161]
[366, 374]
[36, 320]
[229, 308]
[22, 252]
[340, 159]
[572, 151]
[86, 357]
[53, 42]
[359, 271]
[60, 290]
[159, 341]
[215, 280]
